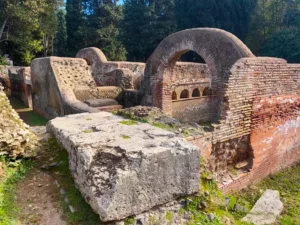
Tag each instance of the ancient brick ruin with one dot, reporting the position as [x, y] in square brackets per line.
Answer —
[252, 104]
[255, 102]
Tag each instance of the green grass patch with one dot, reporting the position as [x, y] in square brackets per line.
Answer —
[27, 114]
[13, 173]
[129, 122]
[84, 214]
[287, 182]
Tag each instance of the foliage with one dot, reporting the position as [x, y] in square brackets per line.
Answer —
[13, 172]
[212, 197]
[284, 44]
[271, 16]
[231, 15]
[25, 37]
[146, 23]
[129, 221]
[95, 23]
[61, 35]
[3, 60]
[74, 21]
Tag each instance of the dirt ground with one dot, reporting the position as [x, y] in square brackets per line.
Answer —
[37, 196]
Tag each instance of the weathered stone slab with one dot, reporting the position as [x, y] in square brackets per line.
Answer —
[266, 209]
[125, 168]
[101, 102]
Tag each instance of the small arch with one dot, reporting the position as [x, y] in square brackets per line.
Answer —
[207, 91]
[174, 95]
[196, 93]
[184, 94]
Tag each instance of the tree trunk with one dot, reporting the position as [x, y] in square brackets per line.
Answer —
[2, 28]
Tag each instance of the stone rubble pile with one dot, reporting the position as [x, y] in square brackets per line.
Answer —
[16, 140]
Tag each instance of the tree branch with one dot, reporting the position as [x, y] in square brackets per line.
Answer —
[2, 28]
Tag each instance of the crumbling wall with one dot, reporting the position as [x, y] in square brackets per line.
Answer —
[261, 110]
[15, 137]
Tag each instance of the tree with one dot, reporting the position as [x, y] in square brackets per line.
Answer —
[270, 17]
[146, 23]
[48, 24]
[22, 36]
[75, 20]
[61, 35]
[104, 19]
[284, 44]
[231, 15]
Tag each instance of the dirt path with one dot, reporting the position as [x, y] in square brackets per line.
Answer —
[38, 194]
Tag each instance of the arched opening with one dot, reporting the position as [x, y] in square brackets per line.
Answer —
[174, 95]
[184, 94]
[213, 45]
[207, 91]
[196, 93]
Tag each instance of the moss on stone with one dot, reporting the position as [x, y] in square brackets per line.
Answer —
[129, 122]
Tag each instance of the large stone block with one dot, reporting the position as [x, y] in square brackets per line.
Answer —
[124, 168]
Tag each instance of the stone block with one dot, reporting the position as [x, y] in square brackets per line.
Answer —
[124, 168]
[101, 102]
[266, 209]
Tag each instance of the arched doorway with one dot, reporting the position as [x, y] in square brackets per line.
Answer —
[218, 48]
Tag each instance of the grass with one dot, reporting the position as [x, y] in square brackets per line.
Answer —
[84, 214]
[287, 182]
[214, 201]
[27, 114]
[13, 172]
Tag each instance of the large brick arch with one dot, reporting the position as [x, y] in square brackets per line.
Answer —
[218, 48]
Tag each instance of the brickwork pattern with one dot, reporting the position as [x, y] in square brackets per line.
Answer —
[262, 105]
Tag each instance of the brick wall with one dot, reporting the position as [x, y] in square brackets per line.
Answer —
[261, 104]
